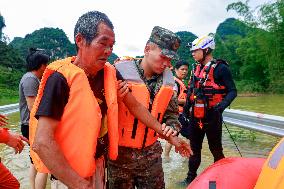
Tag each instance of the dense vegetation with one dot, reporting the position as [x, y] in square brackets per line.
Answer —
[253, 45]
[256, 50]
[53, 40]
[12, 55]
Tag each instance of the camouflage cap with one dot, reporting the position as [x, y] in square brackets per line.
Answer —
[166, 40]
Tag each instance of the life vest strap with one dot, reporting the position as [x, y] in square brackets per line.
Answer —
[135, 125]
[145, 137]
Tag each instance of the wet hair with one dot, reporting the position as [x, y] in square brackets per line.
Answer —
[36, 58]
[181, 63]
[87, 25]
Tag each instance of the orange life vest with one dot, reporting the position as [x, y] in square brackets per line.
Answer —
[182, 93]
[272, 173]
[78, 129]
[204, 79]
[132, 133]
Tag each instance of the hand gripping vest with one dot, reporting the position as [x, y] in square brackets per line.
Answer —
[182, 93]
[77, 132]
[132, 133]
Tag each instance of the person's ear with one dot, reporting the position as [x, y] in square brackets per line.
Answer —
[80, 40]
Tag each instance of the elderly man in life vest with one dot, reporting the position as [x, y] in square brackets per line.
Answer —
[139, 162]
[211, 90]
[74, 120]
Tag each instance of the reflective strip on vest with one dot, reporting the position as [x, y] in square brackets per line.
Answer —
[132, 132]
[199, 105]
[128, 71]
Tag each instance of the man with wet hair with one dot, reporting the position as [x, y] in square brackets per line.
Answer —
[87, 26]
[37, 61]
[74, 120]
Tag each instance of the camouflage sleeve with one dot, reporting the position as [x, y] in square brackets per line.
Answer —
[171, 114]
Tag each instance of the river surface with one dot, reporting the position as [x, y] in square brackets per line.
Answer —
[268, 104]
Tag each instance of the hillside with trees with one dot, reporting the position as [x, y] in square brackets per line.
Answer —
[12, 55]
[253, 45]
[256, 51]
[53, 40]
[184, 50]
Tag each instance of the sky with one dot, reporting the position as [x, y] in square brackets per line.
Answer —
[133, 20]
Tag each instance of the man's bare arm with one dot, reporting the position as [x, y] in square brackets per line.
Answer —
[142, 113]
[30, 101]
[49, 152]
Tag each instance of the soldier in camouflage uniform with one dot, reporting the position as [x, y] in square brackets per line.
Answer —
[142, 167]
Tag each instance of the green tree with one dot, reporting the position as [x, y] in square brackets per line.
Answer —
[2, 25]
[228, 35]
[12, 66]
[184, 50]
[53, 40]
[262, 51]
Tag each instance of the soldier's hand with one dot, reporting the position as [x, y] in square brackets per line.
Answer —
[3, 120]
[181, 146]
[122, 89]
